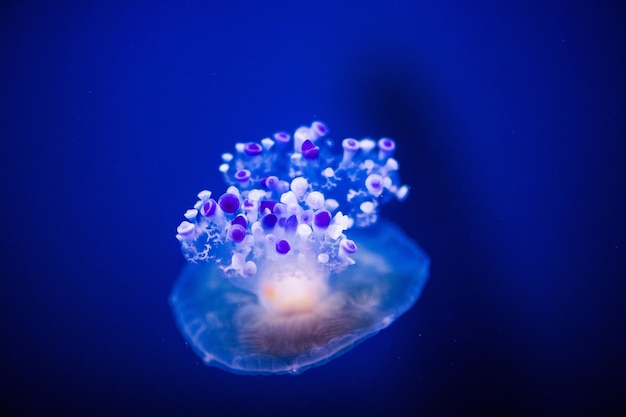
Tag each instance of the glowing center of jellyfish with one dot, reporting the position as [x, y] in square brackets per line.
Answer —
[289, 289]
[291, 265]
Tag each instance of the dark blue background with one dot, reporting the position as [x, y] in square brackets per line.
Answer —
[510, 119]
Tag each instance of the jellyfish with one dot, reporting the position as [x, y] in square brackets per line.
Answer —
[292, 265]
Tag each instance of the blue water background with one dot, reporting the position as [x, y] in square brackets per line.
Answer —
[509, 120]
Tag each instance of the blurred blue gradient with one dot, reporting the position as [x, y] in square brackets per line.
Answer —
[510, 120]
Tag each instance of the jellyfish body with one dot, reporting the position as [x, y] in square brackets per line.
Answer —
[274, 283]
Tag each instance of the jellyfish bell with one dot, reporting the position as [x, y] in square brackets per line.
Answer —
[279, 279]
